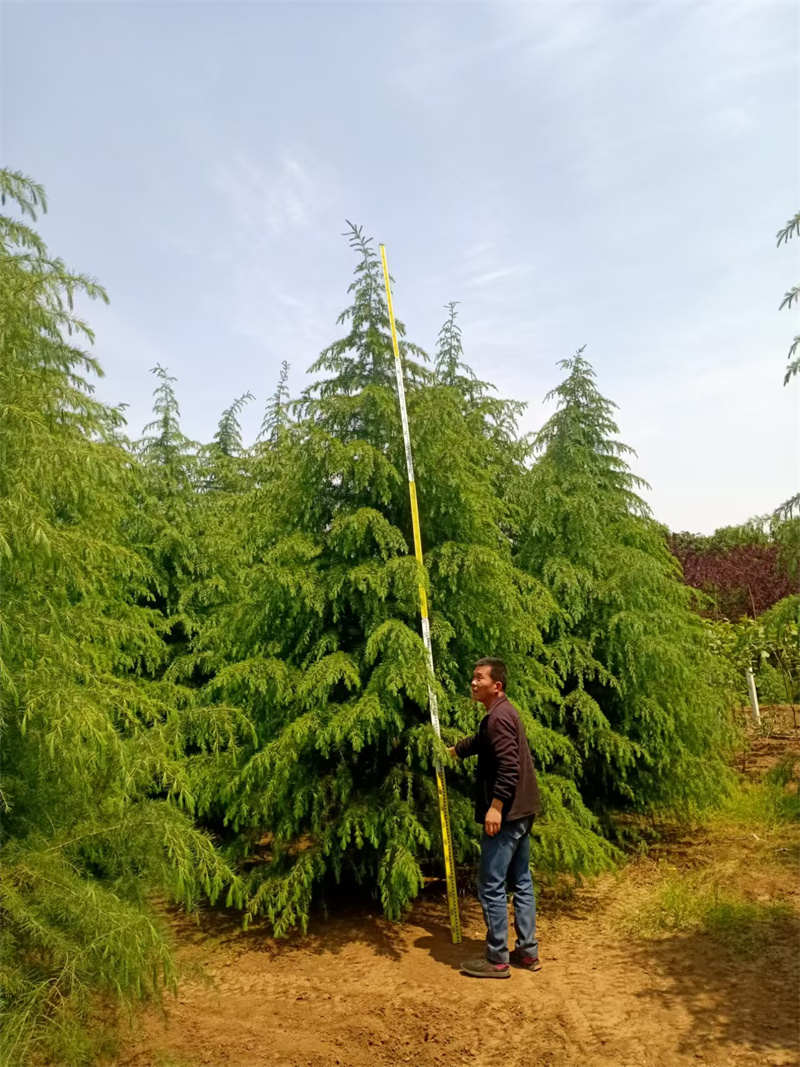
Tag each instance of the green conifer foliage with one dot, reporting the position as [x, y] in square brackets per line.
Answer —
[223, 465]
[276, 411]
[319, 638]
[632, 659]
[164, 522]
[450, 368]
[497, 416]
[228, 438]
[93, 799]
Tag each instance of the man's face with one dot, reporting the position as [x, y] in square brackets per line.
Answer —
[484, 687]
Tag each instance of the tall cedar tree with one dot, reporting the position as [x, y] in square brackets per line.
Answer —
[182, 487]
[638, 702]
[92, 795]
[225, 462]
[188, 495]
[164, 524]
[319, 640]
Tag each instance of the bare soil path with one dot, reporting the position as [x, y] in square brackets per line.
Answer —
[358, 991]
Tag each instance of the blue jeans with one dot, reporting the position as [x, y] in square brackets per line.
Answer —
[506, 858]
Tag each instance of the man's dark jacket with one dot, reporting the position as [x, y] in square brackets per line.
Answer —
[505, 765]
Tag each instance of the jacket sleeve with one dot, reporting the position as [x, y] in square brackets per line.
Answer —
[505, 743]
[467, 746]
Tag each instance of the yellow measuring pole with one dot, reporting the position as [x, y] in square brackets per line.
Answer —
[441, 786]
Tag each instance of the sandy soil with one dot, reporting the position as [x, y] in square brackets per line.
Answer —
[358, 991]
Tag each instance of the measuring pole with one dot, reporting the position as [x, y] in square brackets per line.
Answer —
[441, 786]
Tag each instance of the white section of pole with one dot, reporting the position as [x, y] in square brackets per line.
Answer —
[751, 689]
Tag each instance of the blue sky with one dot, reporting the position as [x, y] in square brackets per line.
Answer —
[609, 174]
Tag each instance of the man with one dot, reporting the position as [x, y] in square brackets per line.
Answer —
[507, 798]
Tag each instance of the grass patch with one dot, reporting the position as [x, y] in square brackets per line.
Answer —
[700, 902]
[746, 925]
[768, 804]
[729, 884]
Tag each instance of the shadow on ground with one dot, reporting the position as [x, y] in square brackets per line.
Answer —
[438, 943]
[345, 920]
[742, 999]
[350, 925]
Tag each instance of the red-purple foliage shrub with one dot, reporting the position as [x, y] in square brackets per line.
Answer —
[741, 579]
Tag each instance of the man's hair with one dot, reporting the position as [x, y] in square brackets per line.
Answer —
[497, 669]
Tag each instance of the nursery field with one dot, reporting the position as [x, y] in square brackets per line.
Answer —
[220, 662]
[689, 955]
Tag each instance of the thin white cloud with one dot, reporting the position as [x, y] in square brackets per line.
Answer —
[478, 250]
[491, 276]
[278, 207]
[274, 199]
[287, 299]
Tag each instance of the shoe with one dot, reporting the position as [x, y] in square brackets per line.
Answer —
[484, 968]
[524, 960]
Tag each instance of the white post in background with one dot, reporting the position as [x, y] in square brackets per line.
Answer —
[751, 689]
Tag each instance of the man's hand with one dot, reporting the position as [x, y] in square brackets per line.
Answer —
[494, 819]
[451, 751]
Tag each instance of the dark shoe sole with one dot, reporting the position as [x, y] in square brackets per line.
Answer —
[487, 974]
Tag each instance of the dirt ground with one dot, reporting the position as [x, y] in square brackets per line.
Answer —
[358, 991]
